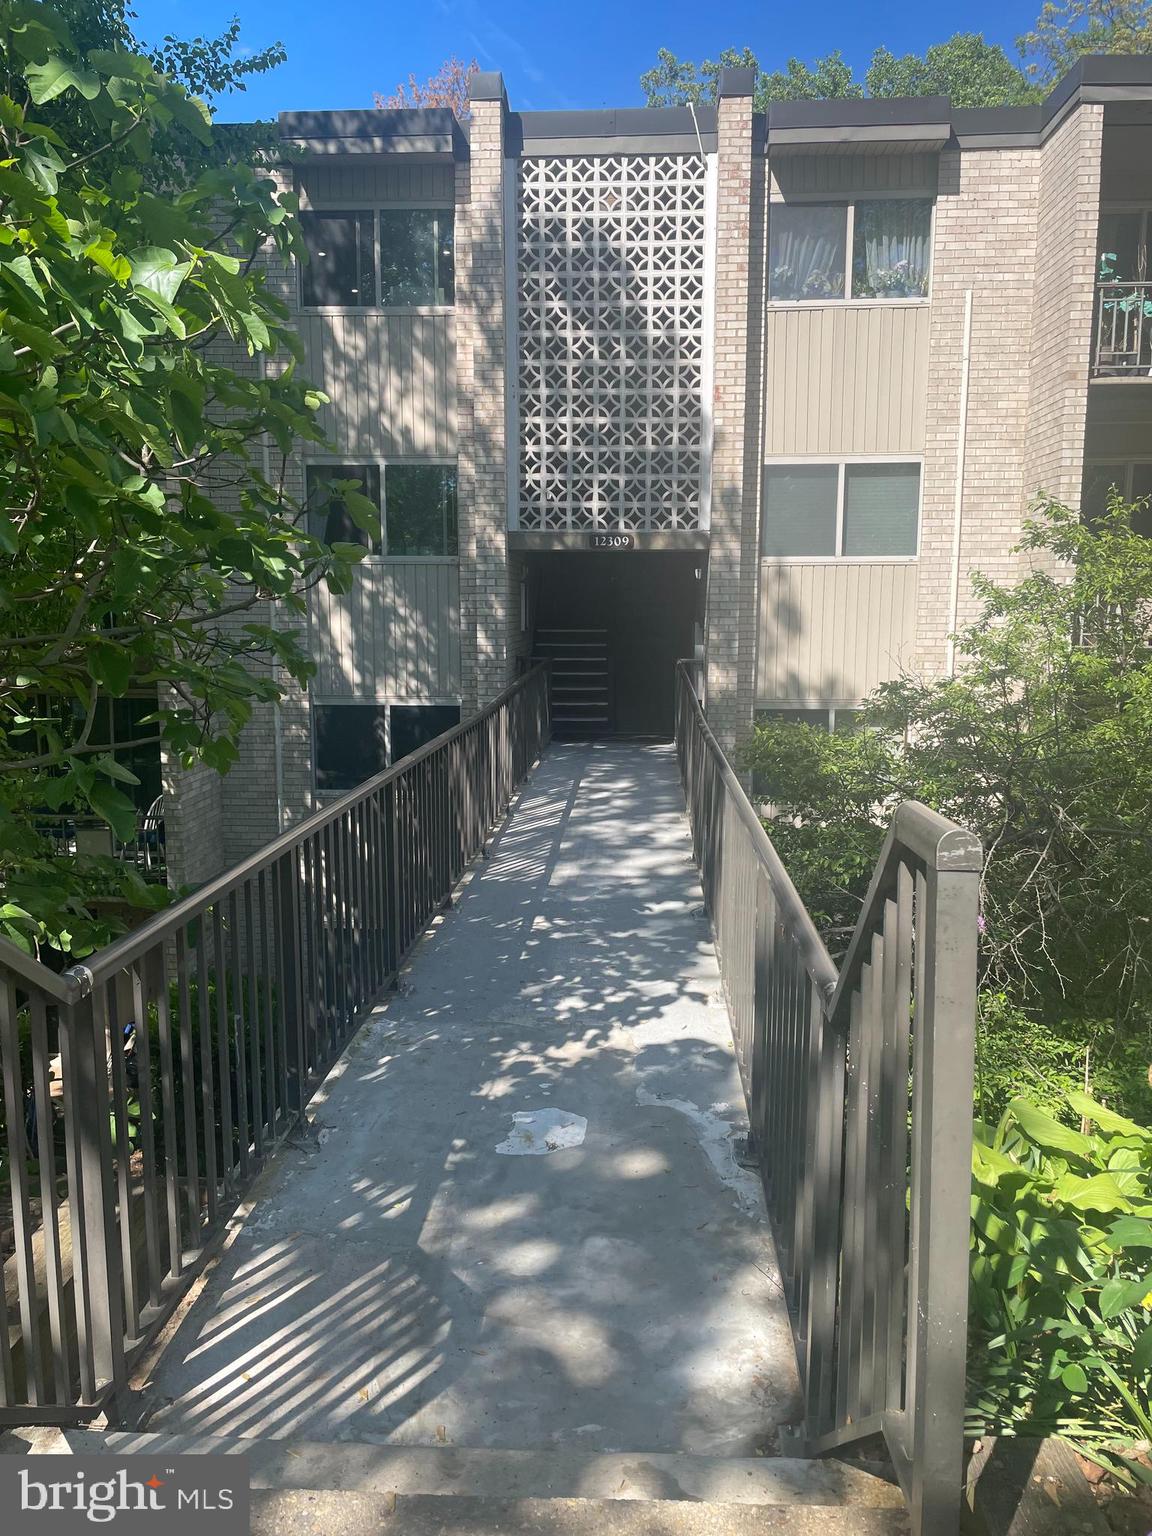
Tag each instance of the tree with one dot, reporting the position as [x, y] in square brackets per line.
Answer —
[970, 71]
[674, 82]
[1041, 744]
[146, 524]
[1067, 30]
[448, 87]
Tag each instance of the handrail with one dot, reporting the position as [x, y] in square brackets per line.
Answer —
[816, 957]
[175, 1059]
[859, 1090]
[78, 981]
[1123, 340]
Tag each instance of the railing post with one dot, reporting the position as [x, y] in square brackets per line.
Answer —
[95, 1260]
[291, 1008]
[941, 1184]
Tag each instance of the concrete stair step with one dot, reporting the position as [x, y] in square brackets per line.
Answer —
[365, 1514]
[480, 1473]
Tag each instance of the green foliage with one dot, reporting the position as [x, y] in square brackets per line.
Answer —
[146, 526]
[673, 82]
[970, 71]
[1067, 30]
[1061, 1296]
[1046, 1059]
[1042, 745]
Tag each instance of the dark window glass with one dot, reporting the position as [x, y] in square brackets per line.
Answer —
[341, 266]
[891, 241]
[800, 509]
[420, 509]
[413, 725]
[351, 744]
[881, 509]
[806, 246]
[1123, 246]
[328, 517]
[816, 717]
[1142, 494]
[417, 257]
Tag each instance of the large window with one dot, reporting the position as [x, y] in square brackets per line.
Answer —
[394, 258]
[418, 508]
[890, 241]
[861, 511]
[1133, 482]
[341, 265]
[417, 257]
[355, 741]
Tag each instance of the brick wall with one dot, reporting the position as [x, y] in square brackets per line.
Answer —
[485, 613]
[985, 241]
[1063, 307]
[733, 560]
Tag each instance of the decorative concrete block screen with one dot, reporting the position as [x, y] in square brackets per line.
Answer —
[611, 341]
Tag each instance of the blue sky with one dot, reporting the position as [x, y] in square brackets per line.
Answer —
[586, 55]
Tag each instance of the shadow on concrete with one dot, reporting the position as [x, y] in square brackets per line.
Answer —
[399, 1279]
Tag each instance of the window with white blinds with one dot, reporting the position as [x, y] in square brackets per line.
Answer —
[866, 510]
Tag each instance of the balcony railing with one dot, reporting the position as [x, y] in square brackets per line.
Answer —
[1123, 331]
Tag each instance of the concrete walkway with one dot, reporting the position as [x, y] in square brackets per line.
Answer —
[404, 1277]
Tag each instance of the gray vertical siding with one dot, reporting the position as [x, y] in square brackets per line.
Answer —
[396, 635]
[390, 379]
[849, 175]
[846, 378]
[831, 631]
[327, 185]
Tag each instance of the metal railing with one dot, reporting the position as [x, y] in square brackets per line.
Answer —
[1123, 346]
[859, 1088]
[144, 1089]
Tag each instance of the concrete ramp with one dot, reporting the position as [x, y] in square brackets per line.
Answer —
[405, 1277]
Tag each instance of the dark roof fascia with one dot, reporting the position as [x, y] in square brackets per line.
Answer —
[612, 130]
[378, 131]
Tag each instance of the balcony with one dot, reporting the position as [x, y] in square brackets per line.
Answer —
[1122, 347]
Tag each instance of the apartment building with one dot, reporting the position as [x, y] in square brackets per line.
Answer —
[633, 385]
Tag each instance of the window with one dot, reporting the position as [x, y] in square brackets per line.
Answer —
[418, 514]
[341, 265]
[1134, 483]
[420, 509]
[890, 240]
[1123, 245]
[356, 741]
[328, 517]
[835, 718]
[858, 511]
[800, 503]
[351, 744]
[414, 725]
[417, 257]
[890, 244]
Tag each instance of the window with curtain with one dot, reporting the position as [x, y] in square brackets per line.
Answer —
[800, 509]
[806, 248]
[881, 509]
[417, 257]
[891, 244]
[341, 265]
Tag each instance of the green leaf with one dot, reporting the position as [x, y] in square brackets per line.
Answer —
[112, 667]
[1099, 1193]
[108, 764]
[158, 270]
[1074, 1378]
[1121, 1293]
[1047, 1132]
[116, 809]
[1105, 1118]
[1142, 1352]
[1130, 1232]
[49, 80]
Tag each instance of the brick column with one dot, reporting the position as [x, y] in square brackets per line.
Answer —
[480, 359]
[733, 560]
